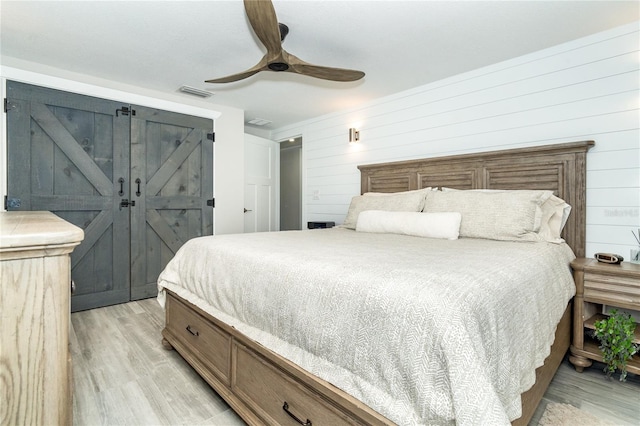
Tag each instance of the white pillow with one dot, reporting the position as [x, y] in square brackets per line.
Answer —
[444, 225]
[408, 201]
[496, 215]
[555, 213]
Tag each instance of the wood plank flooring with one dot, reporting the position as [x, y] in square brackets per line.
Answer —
[123, 376]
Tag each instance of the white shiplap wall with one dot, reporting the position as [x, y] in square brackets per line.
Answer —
[585, 89]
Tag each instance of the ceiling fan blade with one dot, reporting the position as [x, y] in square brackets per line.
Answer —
[264, 22]
[299, 66]
[328, 73]
[260, 66]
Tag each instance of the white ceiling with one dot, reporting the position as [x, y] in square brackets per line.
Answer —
[162, 45]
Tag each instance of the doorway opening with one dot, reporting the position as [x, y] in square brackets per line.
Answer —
[291, 184]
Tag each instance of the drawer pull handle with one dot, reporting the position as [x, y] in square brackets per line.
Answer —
[285, 407]
[194, 332]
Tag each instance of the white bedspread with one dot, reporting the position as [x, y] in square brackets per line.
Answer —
[424, 331]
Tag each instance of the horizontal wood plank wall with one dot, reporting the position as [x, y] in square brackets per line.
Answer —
[585, 89]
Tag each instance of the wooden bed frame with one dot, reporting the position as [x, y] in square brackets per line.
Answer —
[265, 388]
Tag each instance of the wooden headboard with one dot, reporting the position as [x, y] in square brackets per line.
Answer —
[560, 168]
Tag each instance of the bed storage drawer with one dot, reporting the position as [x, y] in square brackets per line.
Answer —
[266, 390]
[209, 343]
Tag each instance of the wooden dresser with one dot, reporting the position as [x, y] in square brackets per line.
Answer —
[35, 278]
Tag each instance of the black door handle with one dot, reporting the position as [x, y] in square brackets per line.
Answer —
[138, 181]
[121, 182]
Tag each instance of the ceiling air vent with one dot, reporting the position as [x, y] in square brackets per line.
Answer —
[259, 122]
[194, 91]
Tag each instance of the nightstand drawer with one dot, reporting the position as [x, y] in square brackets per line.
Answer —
[619, 291]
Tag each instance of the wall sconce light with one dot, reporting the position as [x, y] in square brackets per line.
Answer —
[354, 135]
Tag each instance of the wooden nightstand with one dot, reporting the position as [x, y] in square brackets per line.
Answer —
[600, 284]
[320, 225]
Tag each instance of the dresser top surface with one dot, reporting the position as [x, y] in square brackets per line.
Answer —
[26, 229]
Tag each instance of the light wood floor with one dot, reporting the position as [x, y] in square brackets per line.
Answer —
[123, 376]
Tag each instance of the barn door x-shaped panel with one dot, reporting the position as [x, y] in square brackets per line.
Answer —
[87, 169]
[64, 151]
[171, 173]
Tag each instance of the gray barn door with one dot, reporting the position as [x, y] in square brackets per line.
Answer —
[81, 157]
[172, 184]
[66, 153]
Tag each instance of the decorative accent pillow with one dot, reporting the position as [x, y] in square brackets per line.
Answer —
[407, 201]
[495, 215]
[444, 225]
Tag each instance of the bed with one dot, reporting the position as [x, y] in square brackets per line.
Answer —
[334, 339]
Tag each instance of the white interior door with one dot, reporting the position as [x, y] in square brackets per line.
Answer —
[261, 157]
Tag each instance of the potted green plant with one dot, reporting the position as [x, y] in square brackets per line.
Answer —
[615, 334]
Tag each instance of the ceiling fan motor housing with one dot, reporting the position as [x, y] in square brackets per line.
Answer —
[284, 30]
[278, 66]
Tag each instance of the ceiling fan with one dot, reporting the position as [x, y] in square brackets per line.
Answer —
[262, 17]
